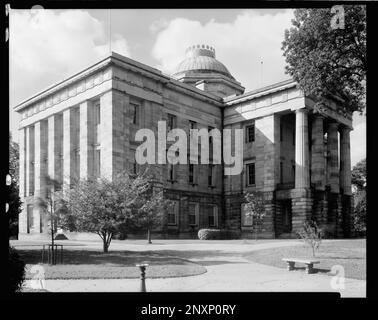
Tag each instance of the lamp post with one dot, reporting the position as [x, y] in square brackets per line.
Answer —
[142, 268]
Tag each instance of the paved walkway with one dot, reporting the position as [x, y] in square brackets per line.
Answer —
[226, 271]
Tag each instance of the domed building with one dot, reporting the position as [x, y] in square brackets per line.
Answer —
[201, 69]
[85, 127]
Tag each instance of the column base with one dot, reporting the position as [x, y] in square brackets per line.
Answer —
[301, 212]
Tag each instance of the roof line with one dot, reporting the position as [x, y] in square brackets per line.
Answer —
[260, 90]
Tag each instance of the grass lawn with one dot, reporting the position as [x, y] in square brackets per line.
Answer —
[91, 264]
[351, 254]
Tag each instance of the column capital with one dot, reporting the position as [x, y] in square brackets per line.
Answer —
[318, 115]
[301, 110]
[345, 129]
[334, 125]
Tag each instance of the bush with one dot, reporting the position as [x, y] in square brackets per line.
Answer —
[217, 234]
[311, 235]
[16, 270]
[209, 234]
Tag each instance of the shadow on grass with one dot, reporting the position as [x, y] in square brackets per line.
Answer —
[131, 258]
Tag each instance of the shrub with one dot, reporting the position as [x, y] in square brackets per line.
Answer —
[209, 234]
[217, 234]
[311, 235]
[16, 270]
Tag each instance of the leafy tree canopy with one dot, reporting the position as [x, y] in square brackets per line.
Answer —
[104, 205]
[359, 175]
[329, 62]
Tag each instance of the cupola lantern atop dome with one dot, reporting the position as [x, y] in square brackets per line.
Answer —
[200, 68]
[200, 50]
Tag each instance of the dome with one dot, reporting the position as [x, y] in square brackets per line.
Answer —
[201, 58]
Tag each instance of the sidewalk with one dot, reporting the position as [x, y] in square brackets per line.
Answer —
[226, 272]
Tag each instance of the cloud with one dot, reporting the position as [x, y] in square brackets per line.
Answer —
[48, 45]
[241, 45]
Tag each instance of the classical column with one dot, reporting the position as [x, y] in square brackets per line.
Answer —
[37, 158]
[112, 137]
[86, 140]
[29, 160]
[317, 153]
[22, 220]
[68, 152]
[345, 161]
[40, 148]
[51, 147]
[21, 143]
[59, 149]
[333, 157]
[302, 174]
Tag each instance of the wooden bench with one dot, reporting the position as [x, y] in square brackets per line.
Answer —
[308, 262]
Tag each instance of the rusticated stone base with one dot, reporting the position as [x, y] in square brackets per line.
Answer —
[320, 208]
[301, 210]
[346, 215]
[334, 212]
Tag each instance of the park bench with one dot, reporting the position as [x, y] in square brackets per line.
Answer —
[308, 262]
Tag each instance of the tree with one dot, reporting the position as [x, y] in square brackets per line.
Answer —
[149, 210]
[104, 205]
[329, 62]
[311, 235]
[52, 203]
[359, 194]
[359, 175]
[13, 200]
[255, 209]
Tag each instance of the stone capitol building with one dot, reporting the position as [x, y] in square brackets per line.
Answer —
[84, 126]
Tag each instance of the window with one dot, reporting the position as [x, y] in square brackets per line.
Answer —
[97, 114]
[213, 216]
[293, 169]
[171, 172]
[97, 163]
[97, 119]
[192, 125]
[173, 213]
[247, 219]
[210, 177]
[135, 113]
[250, 133]
[171, 122]
[193, 214]
[77, 163]
[281, 172]
[133, 163]
[251, 173]
[191, 173]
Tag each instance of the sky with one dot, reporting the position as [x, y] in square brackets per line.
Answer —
[47, 46]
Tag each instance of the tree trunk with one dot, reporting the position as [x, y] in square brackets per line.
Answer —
[149, 236]
[105, 246]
